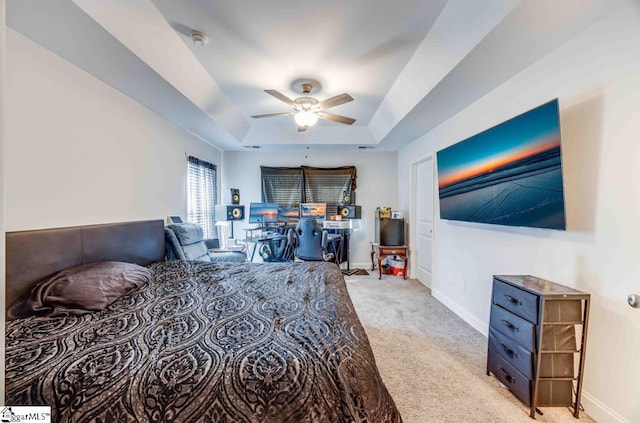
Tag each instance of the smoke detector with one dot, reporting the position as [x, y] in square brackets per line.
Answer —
[199, 38]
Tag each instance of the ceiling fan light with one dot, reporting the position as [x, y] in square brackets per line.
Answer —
[306, 118]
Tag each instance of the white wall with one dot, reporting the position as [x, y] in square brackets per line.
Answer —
[596, 77]
[79, 152]
[2, 256]
[377, 182]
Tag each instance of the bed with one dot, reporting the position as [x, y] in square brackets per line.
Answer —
[211, 342]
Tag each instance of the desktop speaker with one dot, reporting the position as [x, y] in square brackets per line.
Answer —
[235, 196]
[350, 212]
[348, 197]
[229, 212]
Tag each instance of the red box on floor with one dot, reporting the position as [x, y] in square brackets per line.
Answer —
[396, 265]
[397, 271]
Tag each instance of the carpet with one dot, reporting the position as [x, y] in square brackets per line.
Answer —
[361, 272]
[432, 362]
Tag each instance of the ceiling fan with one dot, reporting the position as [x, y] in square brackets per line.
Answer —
[307, 110]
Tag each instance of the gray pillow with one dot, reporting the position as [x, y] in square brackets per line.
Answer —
[81, 289]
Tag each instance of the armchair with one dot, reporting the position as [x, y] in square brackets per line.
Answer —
[184, 241]
[310, 241]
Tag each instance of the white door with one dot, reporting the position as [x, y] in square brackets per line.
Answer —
[423, 218]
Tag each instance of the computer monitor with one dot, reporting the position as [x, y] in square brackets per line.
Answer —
[287, 214]
[313, 210]
[263, 213]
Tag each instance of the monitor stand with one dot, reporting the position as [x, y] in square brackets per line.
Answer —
[347, 240]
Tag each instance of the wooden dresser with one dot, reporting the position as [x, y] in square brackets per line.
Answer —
[537, 338]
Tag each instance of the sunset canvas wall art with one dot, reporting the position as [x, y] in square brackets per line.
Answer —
[510, 174]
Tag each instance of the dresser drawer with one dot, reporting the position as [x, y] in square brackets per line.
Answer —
[517, 383]
[513, 327]
[568, 311]
[556, 365]
[393, 251]
[511, 352]
[555, 393]
[516, 300]
[558, 338]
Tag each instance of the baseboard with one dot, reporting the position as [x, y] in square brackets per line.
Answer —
[599, 411]
[477, 324]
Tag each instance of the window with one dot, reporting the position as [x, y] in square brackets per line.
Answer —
[202, 195]
[290, 186]
[282, 185]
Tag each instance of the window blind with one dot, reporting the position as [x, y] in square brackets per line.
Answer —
[326, 185]
[282, 185]
[290, 186]
[202, 195]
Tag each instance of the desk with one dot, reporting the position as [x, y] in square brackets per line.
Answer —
[270, 240]
[389, 250]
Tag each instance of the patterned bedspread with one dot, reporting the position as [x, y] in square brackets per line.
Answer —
[237, 342]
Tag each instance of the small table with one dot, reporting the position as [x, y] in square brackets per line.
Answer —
[389, 250]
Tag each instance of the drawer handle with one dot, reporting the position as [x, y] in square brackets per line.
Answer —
[507, 376]
[514, 300]
[510, 325]
[509, 351]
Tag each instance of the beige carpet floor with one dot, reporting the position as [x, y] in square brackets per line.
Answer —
[432, 362]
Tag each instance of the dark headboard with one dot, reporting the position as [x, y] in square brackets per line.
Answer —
[34, 255]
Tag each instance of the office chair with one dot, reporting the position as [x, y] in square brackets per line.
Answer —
[310, 241]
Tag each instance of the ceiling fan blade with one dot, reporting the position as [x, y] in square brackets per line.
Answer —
[336, 118]
[280, 97]
[272, 115]
[302, 128]
[335, 101]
